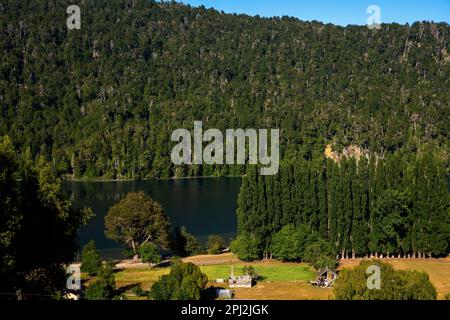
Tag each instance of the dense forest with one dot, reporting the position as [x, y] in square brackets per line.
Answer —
[102, 101]
[396, 206]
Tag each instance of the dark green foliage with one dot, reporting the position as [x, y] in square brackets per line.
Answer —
[102, 101]
[138, 291]
[351, 284]
[246, 247]
[286, 243]
[184, 243]
[91, 262]
[38, 226]
[291, 243]
[192, 246]
[320, 254]
[138, 219]
[184, 282]
[98, 290]
[394, 220]
[104, 287]
[215, 244]
[393, 206]
[149, 253]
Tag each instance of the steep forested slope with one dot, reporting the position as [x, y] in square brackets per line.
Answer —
[103, 100]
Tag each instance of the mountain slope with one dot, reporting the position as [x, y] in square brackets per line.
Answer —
[102, 101]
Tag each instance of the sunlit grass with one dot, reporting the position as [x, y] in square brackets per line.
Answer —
[275, 272]
[268, 272]
[145, 277]
[285, 280]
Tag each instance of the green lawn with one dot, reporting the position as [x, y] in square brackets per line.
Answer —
[271, 272]
[278, 272]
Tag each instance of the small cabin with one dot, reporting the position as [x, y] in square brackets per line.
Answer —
[325, 278]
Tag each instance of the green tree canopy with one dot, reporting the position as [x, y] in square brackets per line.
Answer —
[286, 243]
[38, 225]
[184, 282]
[107, 110]
[138, 219]
[246, 247]
[351, 284]
[104, 287]
[149, 253]
[215, 244]
[191, 244]
[91, 261]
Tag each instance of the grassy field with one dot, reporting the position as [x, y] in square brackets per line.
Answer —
[278, 280]
[286, 281]
[145, 277]
[268, 272]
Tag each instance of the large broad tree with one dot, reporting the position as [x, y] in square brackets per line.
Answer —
[38, 226]
[138, 219]
[352, 284]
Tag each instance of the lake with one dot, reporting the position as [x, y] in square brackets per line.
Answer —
[204, 206]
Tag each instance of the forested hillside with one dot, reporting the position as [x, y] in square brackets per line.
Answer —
[102, 101]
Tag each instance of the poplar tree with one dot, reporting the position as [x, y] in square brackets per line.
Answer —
[368, 206]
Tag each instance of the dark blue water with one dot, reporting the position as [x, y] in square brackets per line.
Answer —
[204, 206]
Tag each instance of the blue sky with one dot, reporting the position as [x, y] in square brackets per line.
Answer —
[334, 11]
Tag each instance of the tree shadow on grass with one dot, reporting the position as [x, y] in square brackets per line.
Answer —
[210, 293]
[126, 288]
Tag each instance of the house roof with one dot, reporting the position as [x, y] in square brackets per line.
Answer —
[324, 270]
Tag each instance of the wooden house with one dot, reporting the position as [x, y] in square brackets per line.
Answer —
[325, 278]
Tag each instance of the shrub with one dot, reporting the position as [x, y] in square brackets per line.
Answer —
[138, 291]
[351, 284]
[104, 287]
[91, 262]
[149, 253]
[215, 244]
[320, 254]
[191, 245]
[250, 271]
[246, 247]
[184, 282]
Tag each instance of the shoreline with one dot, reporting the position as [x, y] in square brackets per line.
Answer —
[150, 179]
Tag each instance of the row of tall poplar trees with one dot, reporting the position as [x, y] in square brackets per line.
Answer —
[366, 207]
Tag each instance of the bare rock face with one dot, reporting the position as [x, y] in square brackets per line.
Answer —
[352, 151]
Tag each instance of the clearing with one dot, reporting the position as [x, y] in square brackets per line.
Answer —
[283, 281]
